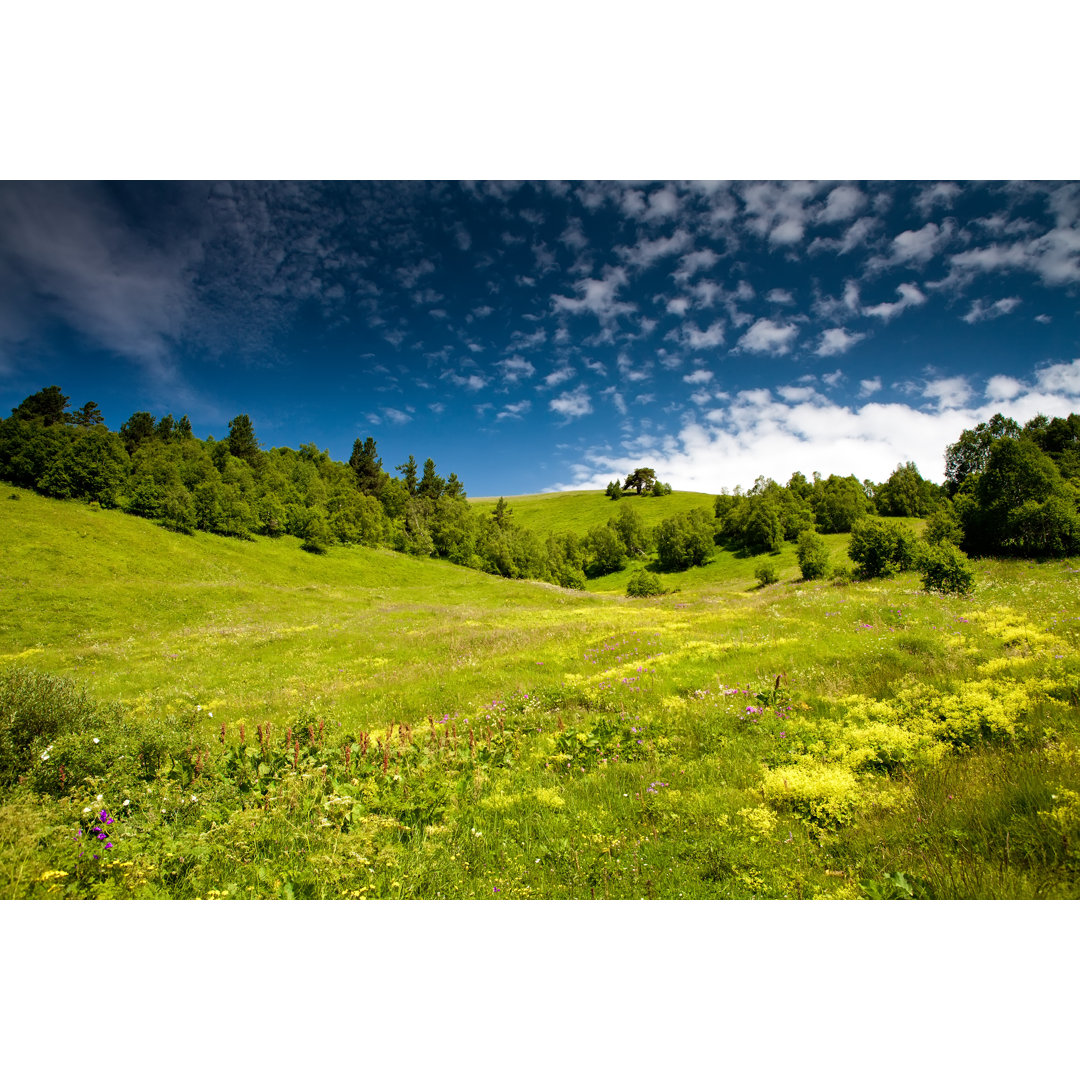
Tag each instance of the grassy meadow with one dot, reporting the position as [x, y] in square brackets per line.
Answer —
[243, 719]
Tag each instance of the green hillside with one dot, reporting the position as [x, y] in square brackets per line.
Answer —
[256, 721]
[579, 511]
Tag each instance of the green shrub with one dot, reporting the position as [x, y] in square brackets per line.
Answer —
[644, 584]
[946, 569]
[766, 574]
[813, 555]
[879, 548]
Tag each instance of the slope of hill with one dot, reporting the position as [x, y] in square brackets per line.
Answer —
[437, 732]
[579, 511]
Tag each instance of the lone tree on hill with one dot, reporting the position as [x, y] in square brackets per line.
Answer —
[641, 480]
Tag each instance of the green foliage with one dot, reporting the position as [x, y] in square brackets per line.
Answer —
[880, 548]
[813, 555]
[641, 480]
[614, 490]
[46, 405]
[839, 503]
[644, 583]
[766, 574]
[969, 455]
[944, 524]
[906, 494]
[1020, 504]
[242, 442]
[946, 569]
[630, 529]
[684, 540]
[605, 551]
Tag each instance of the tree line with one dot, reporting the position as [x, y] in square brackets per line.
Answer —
[1009, 490]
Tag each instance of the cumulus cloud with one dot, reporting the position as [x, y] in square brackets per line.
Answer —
[597, 297]
[515, 368]
[759, 434]
[765, 336]
[695, 338]
[981, 311]
[572, 404]
[645, 252]
[1003, 388]
[932, 196]
[698, 377]
[836, 340]
[471, 383]
[919, 245]
[910, 296]
[694, 262]
[843, 203]
[1060, 378]
[778, 210]
[780, 296]
[869, 387]
[950, 393]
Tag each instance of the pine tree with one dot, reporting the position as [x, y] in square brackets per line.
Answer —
[242, 441]
[367, 467]
[408, 472]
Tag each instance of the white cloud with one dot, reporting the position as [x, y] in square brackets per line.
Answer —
[396, 416]
[573, 236]
[833, 379]
[694, 338]
[572, 404]
[919, 245]
[1060, 378]
[1003, 388]
[558, 376]
[778, 210]
[616, 398]
[837, 340]
[515, 411]
[678, 306]
[942, 193]
[515, 368]
[950, 393]
[597, 297]
[693, 262]
[468, 382]
[779, 296]
[1044, 319]
[698, 377]
[844, 202]
[765, 336]
[869, 387]
[980, 311]
[909, 297]
[758, 434]
[645, 252]
[701, 398]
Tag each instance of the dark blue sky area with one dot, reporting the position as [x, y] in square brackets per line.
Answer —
[547, 335]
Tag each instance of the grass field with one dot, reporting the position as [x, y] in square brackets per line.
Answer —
[364, 724]
[579, 511]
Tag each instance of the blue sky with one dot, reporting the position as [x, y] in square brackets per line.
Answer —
[537, 336]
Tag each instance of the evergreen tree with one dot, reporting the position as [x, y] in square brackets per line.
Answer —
[242, 441]
[47, 405]
[408, 474]
[367, 467]
[183, 428]
[88, 415]
[431, 485]
[455, 489]
[137, 429]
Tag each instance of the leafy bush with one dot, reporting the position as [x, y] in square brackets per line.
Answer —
[880, 548]
[946, 569]
[813, 555]
[644, 584]
[766, 574]
[684, 540]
